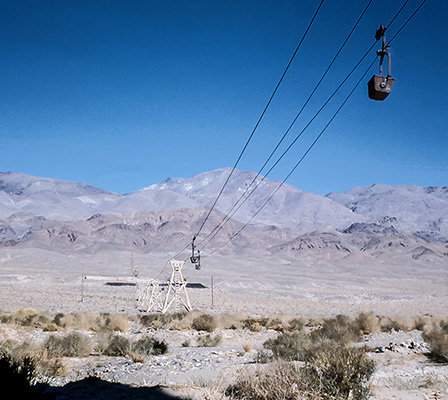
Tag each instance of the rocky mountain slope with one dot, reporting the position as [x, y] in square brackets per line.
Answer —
[376, 221]
[416, 210]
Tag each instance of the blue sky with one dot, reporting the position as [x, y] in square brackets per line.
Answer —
[121, 95]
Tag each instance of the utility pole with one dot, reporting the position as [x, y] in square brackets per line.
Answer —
[82, 287]
[212, 294]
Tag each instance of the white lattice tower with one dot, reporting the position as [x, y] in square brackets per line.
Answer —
[149, 296]
[177, 288]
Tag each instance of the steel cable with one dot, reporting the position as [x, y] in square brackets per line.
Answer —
[321, 133]
[259, 119]
[225, 218]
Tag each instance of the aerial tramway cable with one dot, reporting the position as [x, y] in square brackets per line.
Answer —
[225, 218]
[259, 120]
[297, 137]
[295, 167]
[321, 133]
[228, 216]
[407, 21]
[297, 164]
[195, 258]
[312, 145]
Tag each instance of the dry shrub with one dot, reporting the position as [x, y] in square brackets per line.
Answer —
[44, 365]
[118, 323]
[276, 324]
[279, 380]
[247, 347]
[437, 338]
[57, 320]
[421, 323]
[92, 321]
[209, 340]
[84, 321]
[367, 323]
[395, 323]
[295, 324]
[338, 371]
[149, 319]
[255, 327]
[255, 324]
[205, 322]
[340, 329]
[102, 342]
[288, 346]
[229, 321]
[51, 327]
[332, 370]
[26, 317]
[115, 345]
[167, 321]
[73, 344]
[149, 346]
[444, 325]
[17, 378]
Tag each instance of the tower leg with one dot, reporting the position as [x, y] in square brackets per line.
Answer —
[177, 285]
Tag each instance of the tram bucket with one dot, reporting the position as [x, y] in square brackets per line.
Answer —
[380, 87]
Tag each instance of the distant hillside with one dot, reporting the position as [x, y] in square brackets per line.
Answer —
[377, 221]
[421, 211]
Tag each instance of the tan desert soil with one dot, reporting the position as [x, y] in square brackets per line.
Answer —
[53, 282]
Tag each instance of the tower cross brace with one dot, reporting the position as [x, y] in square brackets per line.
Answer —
[177, 288]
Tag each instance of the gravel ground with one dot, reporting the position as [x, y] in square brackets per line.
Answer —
[403, 371]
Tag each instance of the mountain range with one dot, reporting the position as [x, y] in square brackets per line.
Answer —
[379, 221]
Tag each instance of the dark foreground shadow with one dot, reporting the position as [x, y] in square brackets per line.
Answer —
[96, 389]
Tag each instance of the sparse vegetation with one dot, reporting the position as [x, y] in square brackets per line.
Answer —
[420, 323]
[437, 338]
[116, 345]
[329, 366]
[255, 324]
[276, 324]
[149, 346]
[332, 368]
[25, 317]
[71, 345]
[117, 323]
[367, 323]
[157, 320]
[338, 371]
[209, 340]
[295, 324]
[280, 381]
[397, 324]
[330, 372]
[247, 347]
[289, 346]
[340, 329]
[205, 322]
[17, 377]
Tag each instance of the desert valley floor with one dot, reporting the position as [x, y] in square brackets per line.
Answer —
[306, 288]
[53, 281]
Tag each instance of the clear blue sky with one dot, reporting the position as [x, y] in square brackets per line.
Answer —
[121, 95]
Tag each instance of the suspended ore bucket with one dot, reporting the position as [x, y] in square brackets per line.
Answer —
[380, 86]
